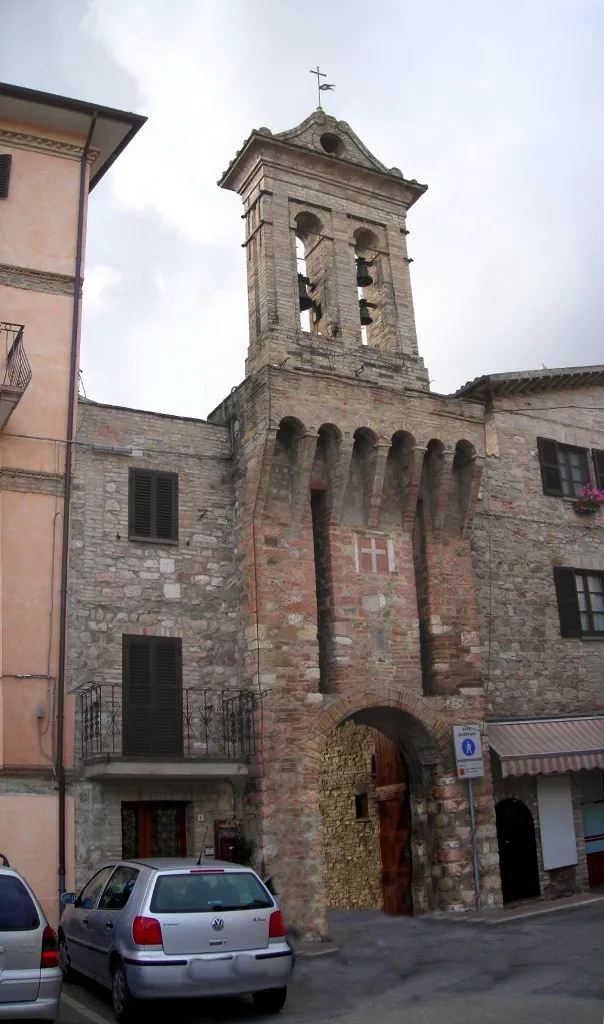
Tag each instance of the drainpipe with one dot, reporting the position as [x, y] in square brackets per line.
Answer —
[73, 376]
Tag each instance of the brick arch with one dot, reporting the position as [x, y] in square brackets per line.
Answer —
[406, 701]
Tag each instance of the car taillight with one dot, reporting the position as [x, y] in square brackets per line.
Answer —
[146, 931]
[50, 949]
[276, 926]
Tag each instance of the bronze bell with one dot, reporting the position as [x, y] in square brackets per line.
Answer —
[366, 317]
[364, 278]
[303, 297]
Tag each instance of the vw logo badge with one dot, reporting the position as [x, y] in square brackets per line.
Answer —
[217, 924]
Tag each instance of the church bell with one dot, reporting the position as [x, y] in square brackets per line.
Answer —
[364, 278]
[303, 297]
[366, 317]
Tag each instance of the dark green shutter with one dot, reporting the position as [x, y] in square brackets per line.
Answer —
[568, 604]
[168, 727]
[152, 697]
[153, 508]
[598, 457]
[550, 471]
[166, 506]
[5, 162]
[136, 705]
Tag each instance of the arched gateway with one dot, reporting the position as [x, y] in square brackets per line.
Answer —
[420, 837]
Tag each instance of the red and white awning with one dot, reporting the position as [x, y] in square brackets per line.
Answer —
[545, 747]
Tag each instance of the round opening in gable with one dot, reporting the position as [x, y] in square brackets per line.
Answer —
[332, 144]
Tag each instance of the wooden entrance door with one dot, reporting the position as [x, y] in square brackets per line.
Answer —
[395, 827]
[153, 830]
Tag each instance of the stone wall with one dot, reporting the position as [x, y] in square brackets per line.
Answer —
[351, 845]
[99, 815]
[118, 586]
[520, 533]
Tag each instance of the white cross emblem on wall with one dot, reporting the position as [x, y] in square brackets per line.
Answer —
[374, 555]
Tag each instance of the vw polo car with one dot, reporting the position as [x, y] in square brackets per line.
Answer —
[176, 929]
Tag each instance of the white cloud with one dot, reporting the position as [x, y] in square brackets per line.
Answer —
[99, 279]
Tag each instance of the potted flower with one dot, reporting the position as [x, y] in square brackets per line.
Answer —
[588, 501]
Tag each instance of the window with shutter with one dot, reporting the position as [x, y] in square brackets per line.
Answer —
[5, 162]
[564, 469]
[568, 602]
[580, 598]
[152, 705]
[153, 513]
[598, 460]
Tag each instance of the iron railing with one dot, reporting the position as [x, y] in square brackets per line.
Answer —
[217, 725]
[17, 371]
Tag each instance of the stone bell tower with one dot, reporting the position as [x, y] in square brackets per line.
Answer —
[316, 195]
[356, 489]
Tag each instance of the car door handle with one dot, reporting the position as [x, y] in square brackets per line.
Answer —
[2, 949]
[109, 924]
[85, 920]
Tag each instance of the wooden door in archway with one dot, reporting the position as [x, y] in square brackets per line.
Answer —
[395, 826]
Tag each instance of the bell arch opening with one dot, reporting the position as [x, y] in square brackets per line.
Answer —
[376, 777]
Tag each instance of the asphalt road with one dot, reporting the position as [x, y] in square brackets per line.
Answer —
[545, 970]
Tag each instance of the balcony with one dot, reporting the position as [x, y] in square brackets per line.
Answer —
[197, 734]
[17, 371]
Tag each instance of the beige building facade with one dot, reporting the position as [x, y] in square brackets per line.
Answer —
[52, 152]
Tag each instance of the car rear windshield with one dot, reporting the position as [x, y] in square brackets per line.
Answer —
[193, 893]
[17, 909]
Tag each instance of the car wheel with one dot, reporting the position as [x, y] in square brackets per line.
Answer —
[65, 959]
[270, 1000]
[124, 1003]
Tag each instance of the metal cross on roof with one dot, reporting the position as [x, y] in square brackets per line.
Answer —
[321, 86]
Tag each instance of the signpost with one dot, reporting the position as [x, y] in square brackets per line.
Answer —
[470, 765]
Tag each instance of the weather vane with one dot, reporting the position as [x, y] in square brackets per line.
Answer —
[321, 86]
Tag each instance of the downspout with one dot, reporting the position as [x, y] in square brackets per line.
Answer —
[73, 375]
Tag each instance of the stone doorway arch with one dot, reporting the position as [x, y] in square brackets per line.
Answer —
[378, 776]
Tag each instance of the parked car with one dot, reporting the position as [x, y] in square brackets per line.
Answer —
[30, 976]
[174, 929]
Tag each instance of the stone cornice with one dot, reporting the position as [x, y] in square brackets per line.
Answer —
[30, 481]
[56, 147]
[36, 280]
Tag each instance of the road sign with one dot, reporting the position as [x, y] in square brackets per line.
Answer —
[468, 751]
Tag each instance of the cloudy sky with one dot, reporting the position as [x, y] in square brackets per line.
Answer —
[496, 104]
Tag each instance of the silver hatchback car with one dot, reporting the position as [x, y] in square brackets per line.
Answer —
[177, 929]
[30, 976]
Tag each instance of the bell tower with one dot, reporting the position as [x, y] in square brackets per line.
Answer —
[326, 238]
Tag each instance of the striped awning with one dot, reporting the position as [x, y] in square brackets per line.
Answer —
[544, 747]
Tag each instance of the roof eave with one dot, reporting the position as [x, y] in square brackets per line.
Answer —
[225, 181]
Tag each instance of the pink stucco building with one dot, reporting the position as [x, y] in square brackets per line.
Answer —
[53, 151]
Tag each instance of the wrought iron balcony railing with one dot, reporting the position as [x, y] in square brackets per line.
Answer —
[17, 371]
[195, 725]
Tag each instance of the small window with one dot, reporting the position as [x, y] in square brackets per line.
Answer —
[580, 597]
[361, 805]
[91, 892]
[117, 893]
[5, 162]
[564, 469]
[17, 909]
[207, 893]
[153, 511]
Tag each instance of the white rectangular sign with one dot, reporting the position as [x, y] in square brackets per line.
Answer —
[468, 751]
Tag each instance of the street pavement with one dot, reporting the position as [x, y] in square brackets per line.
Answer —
[543, 970]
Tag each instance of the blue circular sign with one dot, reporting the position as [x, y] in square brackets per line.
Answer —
[469, 747]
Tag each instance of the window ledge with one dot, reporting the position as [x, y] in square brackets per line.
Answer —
[162, 541]
[592, 636]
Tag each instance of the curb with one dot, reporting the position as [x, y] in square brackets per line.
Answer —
[516, 917]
